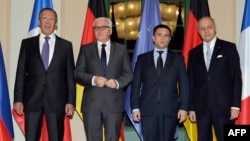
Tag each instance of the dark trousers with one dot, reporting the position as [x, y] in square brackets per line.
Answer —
[158, 127]
[54, 121]
[209, 121]
[95, 122]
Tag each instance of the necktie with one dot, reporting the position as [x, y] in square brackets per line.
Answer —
[103, 57]
[45, 52]
[209, 55]
[159, 66]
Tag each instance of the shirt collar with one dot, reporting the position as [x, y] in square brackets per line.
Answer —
[52, 36]
[100, 43]
[212, 42]
[156, 49]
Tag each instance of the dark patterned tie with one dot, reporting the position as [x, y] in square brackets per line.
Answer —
[159, 66]
[45, 53]
[104, 57]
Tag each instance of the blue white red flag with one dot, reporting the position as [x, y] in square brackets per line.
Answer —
[6, 124]
[244, 52]
[34, 28]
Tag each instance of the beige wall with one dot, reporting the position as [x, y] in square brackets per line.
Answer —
[4, 31]
[15, 18]
[224, 15]
[73, 16]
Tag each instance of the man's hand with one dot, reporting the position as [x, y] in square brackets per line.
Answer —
[111, 83]
[100, 81]
[192, 116]
[18, 107]
[136, 116]
[69, 109]
[234, 114]
[182, 115]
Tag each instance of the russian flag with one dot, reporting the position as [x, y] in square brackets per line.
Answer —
[6, 125]
[34, 28]
[244, 52]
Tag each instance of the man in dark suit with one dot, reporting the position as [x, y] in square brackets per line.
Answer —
[45, 82]
[104, 68]
[159, 97]
[215, 81]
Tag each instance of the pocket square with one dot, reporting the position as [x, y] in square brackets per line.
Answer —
[219, 56]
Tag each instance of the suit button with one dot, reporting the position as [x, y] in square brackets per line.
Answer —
[44, 85]
[208, 78]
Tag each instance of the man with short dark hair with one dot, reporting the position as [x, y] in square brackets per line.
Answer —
[160, 89]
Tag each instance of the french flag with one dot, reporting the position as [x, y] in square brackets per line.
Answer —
[34, 28]
[244, 52]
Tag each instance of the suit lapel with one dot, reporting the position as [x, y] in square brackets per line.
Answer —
[151, 62]
[55, 53]
[168, 61]
[201, 57]
[112, 54]
[36, 45]
[216, 52]
[96, 55]
[151, 54]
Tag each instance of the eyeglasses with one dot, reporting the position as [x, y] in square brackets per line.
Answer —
[50, 19]
[97, 28]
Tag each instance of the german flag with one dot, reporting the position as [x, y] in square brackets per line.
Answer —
[198, 9]
[96, 8]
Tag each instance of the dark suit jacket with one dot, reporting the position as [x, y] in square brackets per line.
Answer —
[119, 68]
[219, 88]
[146, 84]
[32, 79]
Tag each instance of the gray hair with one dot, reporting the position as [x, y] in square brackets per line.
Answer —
[103, 18]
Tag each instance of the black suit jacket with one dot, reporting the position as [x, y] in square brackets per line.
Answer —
[32, 79]
[147, 82]
[219, 88]
[119, 68]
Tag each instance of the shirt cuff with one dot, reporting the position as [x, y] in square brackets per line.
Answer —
[236, 108]
[93, 81]
[117, 84]
[135, 110]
